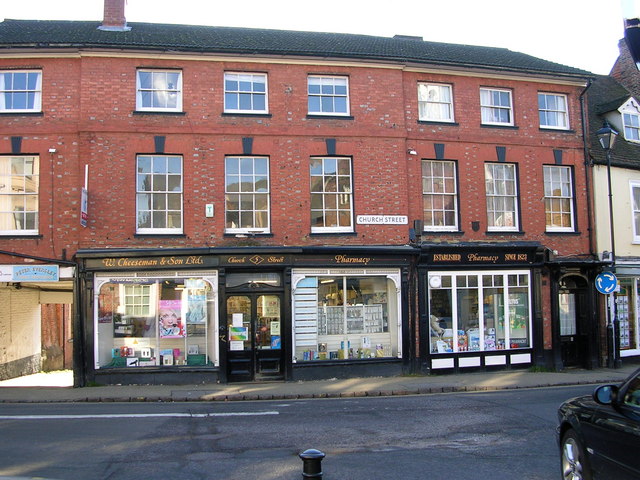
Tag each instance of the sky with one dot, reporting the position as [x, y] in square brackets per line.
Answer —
[578, 33]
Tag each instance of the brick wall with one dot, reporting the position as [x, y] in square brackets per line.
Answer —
[89, 117]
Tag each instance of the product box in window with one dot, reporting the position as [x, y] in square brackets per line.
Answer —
[474, 339]
[489, 342]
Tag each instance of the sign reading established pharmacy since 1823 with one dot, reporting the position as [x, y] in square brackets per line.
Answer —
[480, 257]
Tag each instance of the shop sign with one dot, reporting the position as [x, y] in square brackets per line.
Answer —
[244, 260]
[382, 220]
[344, 260]
[35, 273]
[135, 263]
[479, 257]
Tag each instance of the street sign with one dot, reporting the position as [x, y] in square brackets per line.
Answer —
[606, 282]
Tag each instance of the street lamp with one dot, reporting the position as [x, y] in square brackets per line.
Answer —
[607, 138]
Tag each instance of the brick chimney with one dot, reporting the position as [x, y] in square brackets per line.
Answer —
[114, 19]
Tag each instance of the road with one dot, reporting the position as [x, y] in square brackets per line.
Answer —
[497, 435]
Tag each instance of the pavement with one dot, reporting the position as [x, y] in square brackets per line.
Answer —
[58, 386]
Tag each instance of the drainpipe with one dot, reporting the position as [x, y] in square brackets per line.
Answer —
[587, 164]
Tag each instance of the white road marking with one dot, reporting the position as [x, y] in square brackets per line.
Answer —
[136, 415]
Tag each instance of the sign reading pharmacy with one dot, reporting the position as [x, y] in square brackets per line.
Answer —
[35, 273]
[382, 220]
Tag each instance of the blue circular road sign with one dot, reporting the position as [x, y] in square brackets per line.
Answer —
[606, 282]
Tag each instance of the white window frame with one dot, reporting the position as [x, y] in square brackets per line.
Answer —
[247, 187]
[19, 187]
[302, 317]
[434, 99]
[558, 187]
[497, 192]
[159, 194]
[436, 276]
[328, 85]
[12, 91]
[252, 92]
[635, 210]
[324, 194]
[159, 87]
[435, 185]
[630, 116]
[559, 111]
[488, 106]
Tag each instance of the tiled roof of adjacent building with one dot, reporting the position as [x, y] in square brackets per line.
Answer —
[606, 95]
[249, 41]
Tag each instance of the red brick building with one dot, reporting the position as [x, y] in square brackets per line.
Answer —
[269, 204]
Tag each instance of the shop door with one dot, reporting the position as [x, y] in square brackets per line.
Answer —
[254, 345]
[573, 328]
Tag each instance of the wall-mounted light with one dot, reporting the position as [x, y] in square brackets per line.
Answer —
[411, 151]
[52, 150]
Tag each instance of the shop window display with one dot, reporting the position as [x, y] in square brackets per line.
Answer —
[159, 321]
[338, 317]
[479, 312]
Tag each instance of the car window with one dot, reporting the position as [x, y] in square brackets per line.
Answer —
[632, 395]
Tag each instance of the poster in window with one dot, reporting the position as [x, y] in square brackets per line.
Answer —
[196, 311]
[170, 319]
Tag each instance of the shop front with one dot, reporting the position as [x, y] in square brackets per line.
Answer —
[234, 315]
[478, 306]
[627, 299]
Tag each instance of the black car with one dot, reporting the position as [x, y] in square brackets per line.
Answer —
[599, 435]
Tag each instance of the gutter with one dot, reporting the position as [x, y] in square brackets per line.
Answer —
[585, 146]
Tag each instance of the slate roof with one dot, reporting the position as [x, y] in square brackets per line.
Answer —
[38, 34]
[606, 95]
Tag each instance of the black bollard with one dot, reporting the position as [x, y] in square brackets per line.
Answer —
[311, 463]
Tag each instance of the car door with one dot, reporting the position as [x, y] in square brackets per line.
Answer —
[614, 435]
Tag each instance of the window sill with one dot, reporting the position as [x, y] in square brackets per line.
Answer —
[505, 127]
[436, 122]
[504, 232]
[332, 234]
[156, 112]
[330, 117]
[442, 232]
[26, 114]
[246, 114]
[20, 235]
[247, 234]
[556, 130]
[156, 235]
[572, 233]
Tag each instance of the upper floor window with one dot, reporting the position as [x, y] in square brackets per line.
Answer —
[439, 195]
[328, 95]
[495, 106]
[631, 126]
[635, 209]
[159, 90]
[502, 196]
[247, 194]
[331, 195]
[558, 198]
[553, 111]
[435, 102]
[159, 194]
[245, 92]
[630, 112]
[19, 188]
[21, 91]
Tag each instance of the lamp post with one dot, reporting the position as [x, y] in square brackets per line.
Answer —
[607, 137]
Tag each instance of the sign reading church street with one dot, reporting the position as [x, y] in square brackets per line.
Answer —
[382, 219]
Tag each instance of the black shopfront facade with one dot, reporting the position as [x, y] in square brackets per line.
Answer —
[480, 306]
[181, 316]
